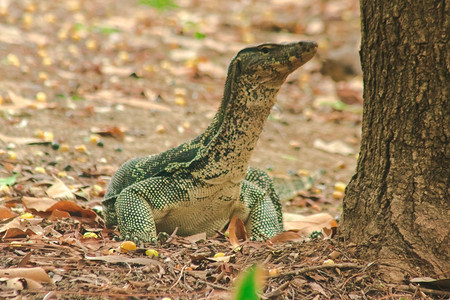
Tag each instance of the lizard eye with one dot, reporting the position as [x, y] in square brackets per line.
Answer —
[265, 50]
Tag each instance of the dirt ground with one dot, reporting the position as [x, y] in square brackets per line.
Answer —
[87, 85]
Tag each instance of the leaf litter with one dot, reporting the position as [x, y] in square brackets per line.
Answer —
[143, 77]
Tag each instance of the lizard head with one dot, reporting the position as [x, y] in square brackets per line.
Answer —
[272, 63]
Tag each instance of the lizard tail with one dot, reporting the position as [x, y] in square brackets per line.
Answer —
[288, 187]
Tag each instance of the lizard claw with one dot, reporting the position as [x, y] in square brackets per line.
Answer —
[162, 237]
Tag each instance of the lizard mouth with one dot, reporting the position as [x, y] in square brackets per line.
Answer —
[305, 51]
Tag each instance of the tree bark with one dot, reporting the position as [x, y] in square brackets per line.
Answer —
[397, 203]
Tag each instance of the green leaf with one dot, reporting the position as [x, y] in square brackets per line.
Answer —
[199, 35]
[341, 106]
[250, 284]
[289, 157]
[106, 30]
[79, 27]
[8, 180]
[76, 97]
[160, 5]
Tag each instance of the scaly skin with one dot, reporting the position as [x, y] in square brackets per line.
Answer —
[199, 185]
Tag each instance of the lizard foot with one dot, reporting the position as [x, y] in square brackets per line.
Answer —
[139, 239]
[162, 237]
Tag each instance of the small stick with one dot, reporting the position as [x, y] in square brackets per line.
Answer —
[321, 267]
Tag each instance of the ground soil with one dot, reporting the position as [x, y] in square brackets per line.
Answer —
[87, 85]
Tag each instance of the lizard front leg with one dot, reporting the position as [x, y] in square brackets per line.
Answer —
[262, 222]
[265, 218]
[134, 211]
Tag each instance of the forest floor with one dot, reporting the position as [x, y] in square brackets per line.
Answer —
[87, 85]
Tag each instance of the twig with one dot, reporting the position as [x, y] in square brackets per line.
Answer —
[179, 277]
[220, 287]
[268, 258]
[321, 267]
[277, 291]
[414, 288]
[172, 235]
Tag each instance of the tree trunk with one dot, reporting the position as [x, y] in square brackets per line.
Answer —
[397, 203]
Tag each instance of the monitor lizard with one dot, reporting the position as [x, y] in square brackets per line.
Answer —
[201, 184]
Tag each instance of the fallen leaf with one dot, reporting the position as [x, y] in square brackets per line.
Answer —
[237, 232]
[287, 236]
[196, 237]
[125, 259]
[6, 213]
[20, 102]
[220, 258]
[38, 274]
[17, 232]
[59, 191]
[113, 131]
[306, 225]
[19, 140]
[337, 147]
[38, 204]
[117, 98]
[318, 288]
[429, 282]
[74, 208]
[20, 283]
[8, 180]
[58, 214]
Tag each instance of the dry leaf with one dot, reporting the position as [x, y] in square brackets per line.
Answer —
[37, 274]
[59, 191]
[17, 228]
[317, 287]
[117, 98]
[20, 102]
[306, 225]
[196, 237]
[19, 140]
[287, 236]
[16, 232]
[58, 214]
[20, 283]
[337, 147]
[38, 204]
[220, 258]
[125, 259]
[73, 208]
[237, 232]
[6, 213]
[113, 131]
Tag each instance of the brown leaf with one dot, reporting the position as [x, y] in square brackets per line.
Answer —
[20, 283]
[38, 204]
[317, 287]
[59, 191]
[125, 259]
[37, 274]
[73, 208]
[286, 236]
[17, 232]
[338, 147]
[113, 131]
[58, 214]
[237, 232]
[220, 258]
[19, 140]
[306, 225]
[6, 213]
[17, 228]
[196, 237]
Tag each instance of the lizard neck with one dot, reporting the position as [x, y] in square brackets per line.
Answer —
[235, 130]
